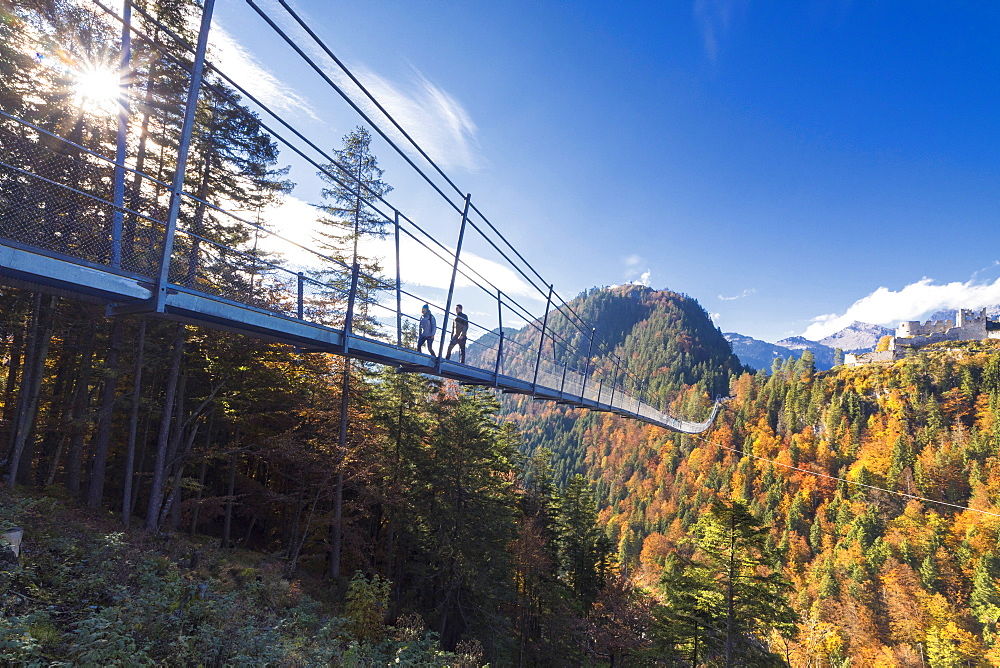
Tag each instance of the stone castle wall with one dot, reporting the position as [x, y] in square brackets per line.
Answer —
[968, 325]
[851, 359]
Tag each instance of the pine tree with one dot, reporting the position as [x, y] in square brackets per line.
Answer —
[584, 550]
[736, 551]
[984, 600]
[355, 186]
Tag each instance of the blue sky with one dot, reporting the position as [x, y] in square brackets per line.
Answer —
[791, 165]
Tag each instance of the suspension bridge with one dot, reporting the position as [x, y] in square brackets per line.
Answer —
[92, 220]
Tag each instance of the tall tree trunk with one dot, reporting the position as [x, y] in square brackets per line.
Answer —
[60, 410]
[9, 405]
[27, 375]
[103, 437]
[300, 540]
[81, 401]
[173, 504]
[163, 437]
[143, 452]
[227, 523]
[203, 469]
[201, 487]
[336, 531]
[31, 384]
[133, 426]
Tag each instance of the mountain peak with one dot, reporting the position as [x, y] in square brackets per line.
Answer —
[856, 337]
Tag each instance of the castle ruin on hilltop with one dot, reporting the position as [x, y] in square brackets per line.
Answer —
[968, 325]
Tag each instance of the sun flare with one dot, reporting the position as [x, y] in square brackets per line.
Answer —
[97, 90]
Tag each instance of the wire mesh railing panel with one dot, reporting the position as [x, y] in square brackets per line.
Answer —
[56, 196]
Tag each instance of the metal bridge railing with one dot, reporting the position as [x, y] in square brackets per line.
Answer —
[59, 196]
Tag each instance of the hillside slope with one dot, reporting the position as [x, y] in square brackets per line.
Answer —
[879, 575]
[880, 485]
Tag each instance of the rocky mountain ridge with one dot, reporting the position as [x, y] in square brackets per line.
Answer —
[856, 337]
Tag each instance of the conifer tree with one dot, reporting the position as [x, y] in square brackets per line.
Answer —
[354, 186]
[736, 552]
[584, 550]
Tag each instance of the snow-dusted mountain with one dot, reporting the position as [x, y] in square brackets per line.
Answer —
[857, 337]
[757, 354]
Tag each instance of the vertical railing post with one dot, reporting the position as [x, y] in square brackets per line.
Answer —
[614, 381]
[399, 307]
[562, 386]
[541, 340]
[118, 215]
[586, 371]
[349, 316]
[600, 387]
[301, 280]
[496, 368]
[177, 187]
[454, 274]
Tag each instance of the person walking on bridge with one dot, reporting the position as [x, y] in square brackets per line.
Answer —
[458, 333]
[427, 328]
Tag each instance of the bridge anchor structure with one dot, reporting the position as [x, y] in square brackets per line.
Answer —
[81, 219]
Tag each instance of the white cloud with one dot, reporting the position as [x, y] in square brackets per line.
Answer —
[295, 220]
[889, 307]
[432, 116]
[745, 293]
[633, 274]
[237, 63]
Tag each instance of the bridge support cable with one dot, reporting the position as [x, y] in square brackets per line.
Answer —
[399, 295]
[541, 341]
[287, 310]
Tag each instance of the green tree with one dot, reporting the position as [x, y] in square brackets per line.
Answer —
[354, 185]
[736, 553]
[584, 550]
[984, 600]
[688, 624]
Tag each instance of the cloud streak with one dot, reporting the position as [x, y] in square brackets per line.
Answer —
[239, 64]
[742, 295]
[913, 302]
[432, 116]
[715, 17]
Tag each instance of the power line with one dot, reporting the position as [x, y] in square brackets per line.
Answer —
[844, 480]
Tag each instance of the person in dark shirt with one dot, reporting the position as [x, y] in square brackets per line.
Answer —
[458, 333]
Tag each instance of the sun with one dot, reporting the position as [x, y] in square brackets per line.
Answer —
[97, 90]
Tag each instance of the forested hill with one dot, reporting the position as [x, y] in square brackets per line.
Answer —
[905, 576]
[668, 339]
